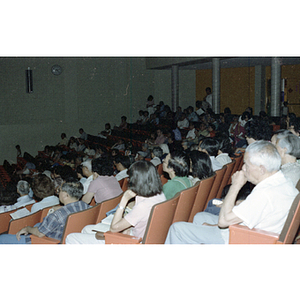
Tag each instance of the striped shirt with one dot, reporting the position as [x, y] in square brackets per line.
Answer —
[53, 225]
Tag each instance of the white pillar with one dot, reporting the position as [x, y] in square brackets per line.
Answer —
[175, 87]
[260, 87]
[216, 85]
[275, 87]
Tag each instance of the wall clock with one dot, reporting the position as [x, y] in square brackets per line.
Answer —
[56, 70]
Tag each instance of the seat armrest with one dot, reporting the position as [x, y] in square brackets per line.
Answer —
[120, 238]
[43, 240]
[239, 234]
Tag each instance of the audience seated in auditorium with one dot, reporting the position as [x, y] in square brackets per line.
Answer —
[191, 135]
[72, 143]
[105, 132]
[64, 141]
[183, 122]
[203, 132]
[201, 167]
[83, 135]
[225, 149]
[53, 224]
[89, 151]
[87, 172]
[43, 191]
[156, 155]
[192, 116]
[288, 146]
[145, 185]
[160, 139]
[199, 110]
[211, 147]
[121, 163]
[239, 132]
[104, 185]
[141, 117]
[266, 208]
[120, 145]
[123, 125]
[177, 165]
[80, 175]
[23, 190]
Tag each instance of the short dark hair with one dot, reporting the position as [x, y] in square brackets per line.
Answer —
[245, 114]
[227, 110]
[258, 129]
[74, 189]
[213, 126]
[124, 118]
[144, 179]
[225, 145]
[42, 187]
[157, 151]
[123, 160]
[180, 163]
[201, 164]
[67, 173]
[211, 145]
[103, 166]
[79, 170]
[198, 103]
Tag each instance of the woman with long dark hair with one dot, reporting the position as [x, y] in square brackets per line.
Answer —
[145, 185]
[200, 166]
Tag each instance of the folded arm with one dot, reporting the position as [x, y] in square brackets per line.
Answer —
[227, 217]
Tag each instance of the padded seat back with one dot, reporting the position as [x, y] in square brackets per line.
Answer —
[216, 185]
[160, 220]
[185, 203]
[200, 202]
[226, 177]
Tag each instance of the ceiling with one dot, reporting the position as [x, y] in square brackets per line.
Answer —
[201, 63]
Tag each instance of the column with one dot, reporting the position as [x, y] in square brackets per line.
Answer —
[175, 87]
[260, 87]
[275, 87]
[216, 85]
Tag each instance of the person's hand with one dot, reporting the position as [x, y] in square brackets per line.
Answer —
[22, 231]
[238, 202]
[99, 235]
[238, 178]
[129, 194]
[207, 224]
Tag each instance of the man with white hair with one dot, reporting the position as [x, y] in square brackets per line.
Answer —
[265, 208]
[288, 146]
[87, 172]
[23, 189]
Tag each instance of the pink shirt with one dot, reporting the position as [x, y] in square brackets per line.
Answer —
[138, 216]
[104, 188]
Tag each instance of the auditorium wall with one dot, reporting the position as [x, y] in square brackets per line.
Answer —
[89, 92]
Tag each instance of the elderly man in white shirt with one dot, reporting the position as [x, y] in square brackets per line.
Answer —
[266, 207]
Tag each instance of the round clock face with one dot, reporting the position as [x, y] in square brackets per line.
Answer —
[56, 70]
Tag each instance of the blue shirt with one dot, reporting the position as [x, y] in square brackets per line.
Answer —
[54, 224]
